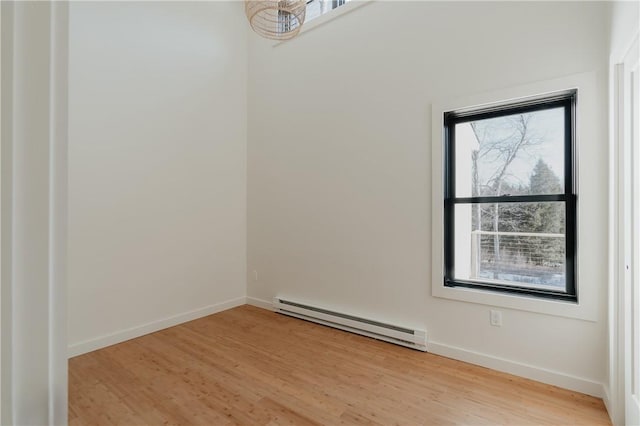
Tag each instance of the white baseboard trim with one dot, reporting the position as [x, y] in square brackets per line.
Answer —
[543, 375]
[606, 398]
[151, 327]
[260, 303]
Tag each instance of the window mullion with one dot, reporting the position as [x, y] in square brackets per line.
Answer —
[511, 199]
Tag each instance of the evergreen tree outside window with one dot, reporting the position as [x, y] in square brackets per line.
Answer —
[510, 203]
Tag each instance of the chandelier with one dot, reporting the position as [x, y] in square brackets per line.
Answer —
[276, 20]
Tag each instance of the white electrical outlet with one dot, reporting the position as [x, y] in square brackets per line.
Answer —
[495, 318]
[255, 275]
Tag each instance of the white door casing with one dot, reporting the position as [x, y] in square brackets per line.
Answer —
[631, 118]
[626, 308]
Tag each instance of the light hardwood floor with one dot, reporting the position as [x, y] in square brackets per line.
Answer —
[251, 366]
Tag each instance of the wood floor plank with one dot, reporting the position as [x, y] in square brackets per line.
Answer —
[249, 366]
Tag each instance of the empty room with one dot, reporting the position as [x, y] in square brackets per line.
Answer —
[328, 212]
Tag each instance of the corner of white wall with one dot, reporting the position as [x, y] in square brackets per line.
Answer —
[157, 166]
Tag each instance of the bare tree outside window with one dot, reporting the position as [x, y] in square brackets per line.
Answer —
[501, 141]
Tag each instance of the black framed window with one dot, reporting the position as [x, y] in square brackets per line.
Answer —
[510, 198]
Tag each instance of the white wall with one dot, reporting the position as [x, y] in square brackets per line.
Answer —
[625, 16]
[339, 168]
[157, 166]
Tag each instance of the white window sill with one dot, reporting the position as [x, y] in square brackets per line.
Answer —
[514, 301]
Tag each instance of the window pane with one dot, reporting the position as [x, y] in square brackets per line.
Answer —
[518, 244]
[521, 154]
[317, 8]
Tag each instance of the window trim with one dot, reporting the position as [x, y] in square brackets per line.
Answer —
[591, 268]
[565, 100]
[348, 7]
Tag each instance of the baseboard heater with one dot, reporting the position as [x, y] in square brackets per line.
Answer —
[415, 339]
